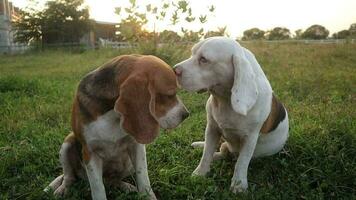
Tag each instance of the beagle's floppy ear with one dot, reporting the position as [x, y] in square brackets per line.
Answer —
[244, 91]
[136, 104]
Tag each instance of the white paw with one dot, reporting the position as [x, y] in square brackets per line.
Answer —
[199, 144]
[47, 189]
[148, 192]
[238, 185]
[60, 191]
[200, 171]
[152, 197]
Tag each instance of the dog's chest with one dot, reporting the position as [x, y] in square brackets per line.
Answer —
[230, 123]
[105, 137]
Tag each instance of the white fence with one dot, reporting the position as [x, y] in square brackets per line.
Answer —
[115, 45]
[328, 41]
[16, 48]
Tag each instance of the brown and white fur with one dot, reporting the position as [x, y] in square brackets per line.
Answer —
[117, 109]
[242, 109]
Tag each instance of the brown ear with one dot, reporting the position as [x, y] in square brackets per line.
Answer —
[136, 106]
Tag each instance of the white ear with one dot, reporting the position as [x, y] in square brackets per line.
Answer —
[244, 91]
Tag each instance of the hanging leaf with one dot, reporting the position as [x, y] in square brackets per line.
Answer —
[212, 8]
[189, 19]
[174, 18]
[190, 11]
[183, 6]
[184, 31]
[133, 3]
[202, 19]
[149, 7]
[118, 10]
[154, 10]
[128, 10]
[142, 16]
[165, 5]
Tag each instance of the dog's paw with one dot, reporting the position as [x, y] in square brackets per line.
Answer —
[61, 191]
[238, 186]
[127, 187]
[152, 197]
[200, 171]
[199, 144]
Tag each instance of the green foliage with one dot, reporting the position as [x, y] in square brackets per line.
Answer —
[220, 32]
[169, 37]
[131, 26]
[60, 21]
[253, 34]
[130, 30]
[342, 34]
[352, 31]
[318, 162]
[278, 33]
[28, 27]
[298, 34]
[192, 36]
[315, 32]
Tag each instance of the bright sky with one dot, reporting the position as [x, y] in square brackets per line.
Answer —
[239, 15]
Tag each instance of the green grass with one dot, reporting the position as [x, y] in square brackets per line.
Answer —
[317, 83]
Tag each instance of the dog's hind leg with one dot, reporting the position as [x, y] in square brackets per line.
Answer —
[223, 153]
[225, 149]
[70, 161]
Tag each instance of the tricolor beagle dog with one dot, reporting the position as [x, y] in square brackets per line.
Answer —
[242, 109]
[117, 109]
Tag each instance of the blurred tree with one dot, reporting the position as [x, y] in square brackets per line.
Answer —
[169, 36]
[130, 29]
[341, 34]
[253, 34]
[59, 21]
[28, 27]
[220, 32]
[65, 21]
[352, 30]
[315, 32]
[192, 36]
[278, 33]
[298, 34]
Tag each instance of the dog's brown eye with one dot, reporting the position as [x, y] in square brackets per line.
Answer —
[202, 59]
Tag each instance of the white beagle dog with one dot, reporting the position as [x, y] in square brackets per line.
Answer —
[241, 110]
[117, 109]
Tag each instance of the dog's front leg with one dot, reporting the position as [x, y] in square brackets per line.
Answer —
[239, 180]
[140, 164]
[94, 169]
[212, 137]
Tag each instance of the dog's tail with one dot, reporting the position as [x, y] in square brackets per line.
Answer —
[199, 144]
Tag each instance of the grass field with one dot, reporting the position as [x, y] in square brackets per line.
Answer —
[317, 83]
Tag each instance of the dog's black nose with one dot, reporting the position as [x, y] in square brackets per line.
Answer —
[185, 115]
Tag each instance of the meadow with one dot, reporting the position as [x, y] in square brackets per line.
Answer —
[316, 82]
